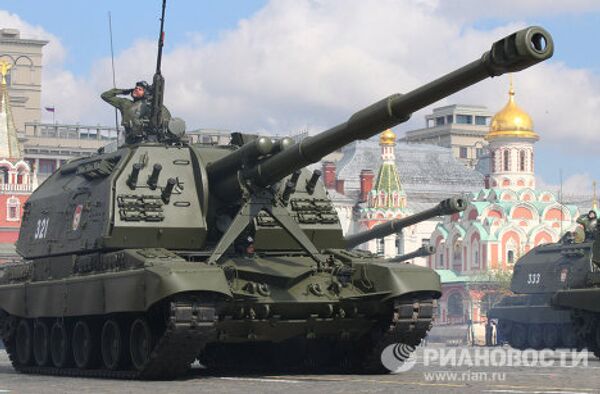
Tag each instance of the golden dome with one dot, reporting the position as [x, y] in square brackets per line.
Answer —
[387, 138]
[511, 121]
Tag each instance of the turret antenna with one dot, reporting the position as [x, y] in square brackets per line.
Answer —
[112, 59]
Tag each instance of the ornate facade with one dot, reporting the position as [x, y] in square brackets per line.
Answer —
[16, 180]
[385, 200]
[502, 221]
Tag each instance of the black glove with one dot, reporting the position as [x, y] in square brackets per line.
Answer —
[126, 91]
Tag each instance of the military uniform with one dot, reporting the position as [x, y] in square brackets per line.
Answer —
[589, 223]
[135, 114]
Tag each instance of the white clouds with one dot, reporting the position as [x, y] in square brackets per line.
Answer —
[54, 52]
[298, 64]
[511, 9]
[576, 184]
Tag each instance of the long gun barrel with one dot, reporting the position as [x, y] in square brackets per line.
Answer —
[158, 82]
[515, 52]
[446, 207]
[423, 251]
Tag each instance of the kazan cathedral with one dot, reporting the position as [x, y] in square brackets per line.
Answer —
[502, 221]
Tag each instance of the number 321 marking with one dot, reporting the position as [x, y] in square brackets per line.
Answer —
[42, 228]
[533, 279]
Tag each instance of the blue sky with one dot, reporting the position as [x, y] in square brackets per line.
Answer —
[76, 21]
[286, 65]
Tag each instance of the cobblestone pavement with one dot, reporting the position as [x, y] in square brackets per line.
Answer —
[437, 369]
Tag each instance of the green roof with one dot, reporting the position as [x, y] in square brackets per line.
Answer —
[460, 229]
[450, 276]
[441, 228]
[486, 192]
[388, 181]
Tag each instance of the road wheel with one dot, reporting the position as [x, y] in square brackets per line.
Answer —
[141, 343]
[503, 331]
[504, 328]
[84, 344]
[518, 336]
[112, 345]
[568, 336]
[24, 340]
[550, 336]
[60, 345]
[535, 336]
[596, 349]
[41, 343]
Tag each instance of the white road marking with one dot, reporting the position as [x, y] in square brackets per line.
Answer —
[535, 392]
[262, 380]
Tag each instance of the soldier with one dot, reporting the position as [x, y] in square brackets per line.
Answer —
[135, 114]
[589, 222]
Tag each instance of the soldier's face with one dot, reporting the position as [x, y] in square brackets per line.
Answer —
[138, 92]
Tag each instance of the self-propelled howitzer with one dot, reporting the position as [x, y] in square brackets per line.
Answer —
[581, 298]
[526, 319]
[446, 207]
[139, 261]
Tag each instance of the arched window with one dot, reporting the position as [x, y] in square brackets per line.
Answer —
[506, 160]
[400, 243]
[522, 160]
[9, 76]
[382, 199]
[493, 161]
[21, 176]
[475, 256]
[455, 305]
[457, 256]
[3, 175]
[380, 247]
[510, 257]
[531, 165]
[13, 213]
[511, 248]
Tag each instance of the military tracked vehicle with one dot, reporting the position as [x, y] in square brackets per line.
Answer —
[139, 261]
[527, 318]
[581, 299]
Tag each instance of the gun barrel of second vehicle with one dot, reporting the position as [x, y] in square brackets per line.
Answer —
[446, 207]
[423, 251]
[515, 52]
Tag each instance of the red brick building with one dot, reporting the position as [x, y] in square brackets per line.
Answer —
[16, 179]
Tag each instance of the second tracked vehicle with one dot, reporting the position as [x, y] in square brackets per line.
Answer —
[527, 318]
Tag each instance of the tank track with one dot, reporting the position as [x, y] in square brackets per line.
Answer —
[411, 321]
[524, 336]
[587, 327]
[183, 339]
[408, 322]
